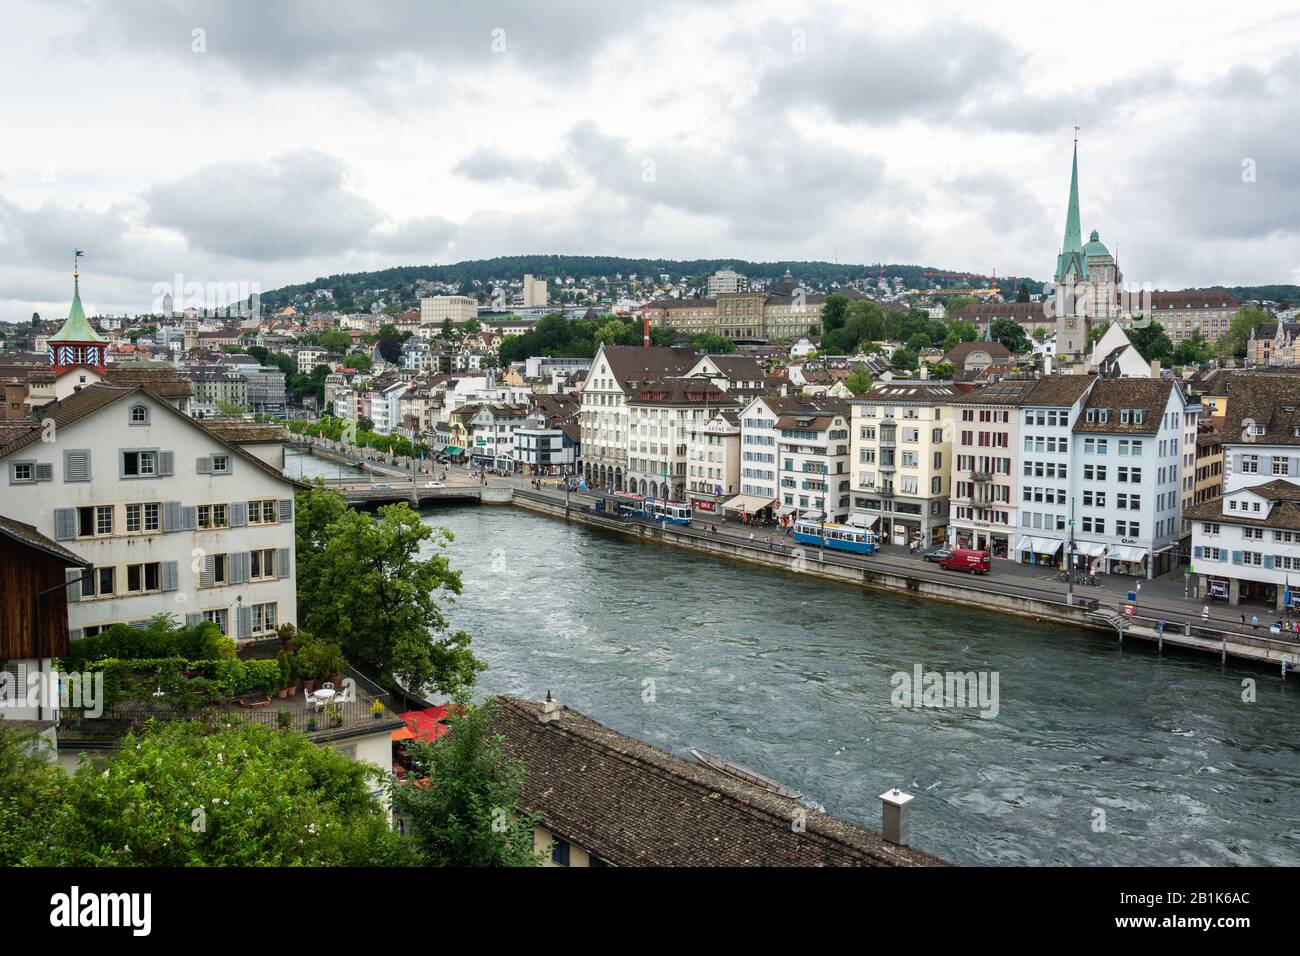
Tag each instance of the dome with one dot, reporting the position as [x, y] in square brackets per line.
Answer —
[1095, 247]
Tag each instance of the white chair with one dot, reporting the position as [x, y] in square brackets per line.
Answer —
[311, 701]
[327, 686]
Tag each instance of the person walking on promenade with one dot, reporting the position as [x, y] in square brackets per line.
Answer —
[1254, 622]
[1205, 613]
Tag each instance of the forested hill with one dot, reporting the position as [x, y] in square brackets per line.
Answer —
[818, 275]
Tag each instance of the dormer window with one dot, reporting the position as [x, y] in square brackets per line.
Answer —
[1258, 428]
[139, 414]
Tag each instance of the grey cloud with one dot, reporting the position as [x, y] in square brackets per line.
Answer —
[487, 165]
[426, 236]
[292, 206]
[860, 76]
[347, 43]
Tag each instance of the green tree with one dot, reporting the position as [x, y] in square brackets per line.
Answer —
[859, 381]
[1193, 350]
[227, 409]
[1011, 334]
[958, 332]
[1151, 342]
[712, 343]
[463, 799]
[260, 353]
[185, 794]
[367, 589]
[834, 311]
[334, 340]
[1232, 344]
[359, 361]
[1023, 294]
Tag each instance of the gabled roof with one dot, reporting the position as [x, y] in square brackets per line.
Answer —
[1151, 395]
[93, 399]
[631, 364]
[27, 535]
[1271, 400]
[631, 804]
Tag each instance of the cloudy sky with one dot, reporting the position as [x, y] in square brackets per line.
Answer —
[243, 141]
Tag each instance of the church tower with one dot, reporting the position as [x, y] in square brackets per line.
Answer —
[1071, 277]
[77, 344]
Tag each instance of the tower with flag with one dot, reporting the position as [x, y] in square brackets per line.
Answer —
[77, 344]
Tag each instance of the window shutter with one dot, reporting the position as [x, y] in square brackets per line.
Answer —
[171, 516]
[209, 572]
[73, 578]
[286, 509]
[74, 633]
[44, 471]
[76, 464]
[245, 621]
[238, 514]
[1196, 551]
[169, 575]
[166, 463]
[193, 619]
[203, 466]
[1268, 561]
[282, 562]
[140, 625]
[65, 524]
[239, 567]
[1236, 557]
[189, 517]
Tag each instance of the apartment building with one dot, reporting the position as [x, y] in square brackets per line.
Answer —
[438, 309]
[901, 453]
[617, 373]
[713, 459]
[1125, 475]
[1047, 419]
[170, 517]
[660, 418]
[985, 483]
[812, 452]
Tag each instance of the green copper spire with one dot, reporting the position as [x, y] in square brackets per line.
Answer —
[77, 328]
[1072, 246]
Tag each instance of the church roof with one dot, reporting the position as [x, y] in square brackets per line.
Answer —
[1072, 255]
[1095, 247]
[77, 327]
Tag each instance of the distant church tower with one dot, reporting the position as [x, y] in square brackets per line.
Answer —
[77, 345]
[1087, 280]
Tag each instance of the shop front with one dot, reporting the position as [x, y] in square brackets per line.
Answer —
[1040, 551]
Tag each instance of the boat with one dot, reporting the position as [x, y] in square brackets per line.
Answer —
[740, 773]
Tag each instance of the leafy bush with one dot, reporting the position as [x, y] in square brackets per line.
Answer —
[162, 637]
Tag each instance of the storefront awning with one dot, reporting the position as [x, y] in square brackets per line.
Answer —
[439, 446]
[813, 516]
[785, 510]
[750, 504]
[454, 450]
[860, 520]
[1047, 545]
[1125, 553]
[1091, 550]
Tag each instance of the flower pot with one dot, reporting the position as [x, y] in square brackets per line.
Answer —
[309, 684]
[284, 693]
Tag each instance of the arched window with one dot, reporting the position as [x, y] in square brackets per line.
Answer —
[139, 414]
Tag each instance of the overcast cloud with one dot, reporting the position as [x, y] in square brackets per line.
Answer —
[272, 143]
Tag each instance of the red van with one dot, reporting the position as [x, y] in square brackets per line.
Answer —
[965, 559]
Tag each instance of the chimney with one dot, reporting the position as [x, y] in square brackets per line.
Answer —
[925, 371]
[551, 710]
[646, 340]
[1155, 368]
[895, 822]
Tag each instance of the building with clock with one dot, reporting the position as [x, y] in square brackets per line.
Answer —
[78, 354]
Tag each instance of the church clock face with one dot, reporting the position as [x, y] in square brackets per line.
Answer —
[1071, 325]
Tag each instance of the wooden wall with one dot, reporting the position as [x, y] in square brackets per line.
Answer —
[24, 571]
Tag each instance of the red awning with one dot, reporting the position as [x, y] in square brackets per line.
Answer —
[424, 725]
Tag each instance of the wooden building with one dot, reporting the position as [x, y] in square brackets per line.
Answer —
[30, 564]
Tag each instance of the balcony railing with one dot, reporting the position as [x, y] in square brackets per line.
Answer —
[981, 476]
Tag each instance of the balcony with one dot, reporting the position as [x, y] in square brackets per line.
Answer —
[981, 476]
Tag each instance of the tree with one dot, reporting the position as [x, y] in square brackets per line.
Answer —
[1232, 344]
[905, 359]
[1011, 334]
[463, 803]
[1193, 350]
[359, 361]
[186, 794]
[1023, 294]
[959, 331]
[367, 589]
[833, 312]
[227, 409]
[859, 381]
[1151, 342]
[334, 340]
[260, 353]
[712, 343]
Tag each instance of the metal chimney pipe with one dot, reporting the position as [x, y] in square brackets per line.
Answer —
[895, 816]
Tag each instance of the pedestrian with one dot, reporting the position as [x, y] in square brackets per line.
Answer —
[1205, 613]
[1254, 622]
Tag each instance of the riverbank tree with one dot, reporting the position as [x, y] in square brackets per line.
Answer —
[372, 583]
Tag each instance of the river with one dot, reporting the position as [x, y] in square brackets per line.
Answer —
[1096, 756]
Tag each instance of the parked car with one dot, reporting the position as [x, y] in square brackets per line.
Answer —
[937, 554]
[968, 560]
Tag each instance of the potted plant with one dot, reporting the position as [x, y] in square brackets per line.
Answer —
[287, 633]
[286, 674]
[376, 708]
[308, 666]
[283, 719]
[334, 713]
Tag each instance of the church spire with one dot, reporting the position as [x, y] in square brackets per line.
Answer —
[1073, 242]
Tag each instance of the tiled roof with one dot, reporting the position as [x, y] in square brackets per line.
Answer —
[982, 312]
[1285, 513]
[996, 351]
[907, 393]
[631, 804]
[1268, 399]
[1005, 392]
[162, 380]
[28, 535]
[1059, 390]
[1194, 299]
[630, 364]
[242, 432]
[679, 391]
[1149, 394]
